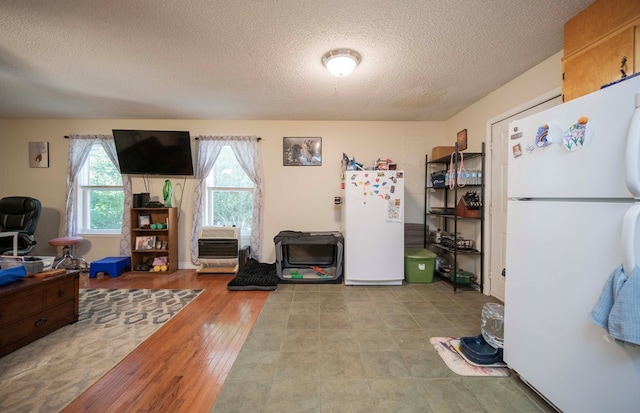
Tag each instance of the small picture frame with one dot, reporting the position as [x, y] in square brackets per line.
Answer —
[461, 140]
[144, 221]
[303, 151]
[145, 242]
[164, 245]
[38, 154]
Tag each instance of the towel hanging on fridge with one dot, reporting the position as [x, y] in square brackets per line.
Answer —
[618, 308]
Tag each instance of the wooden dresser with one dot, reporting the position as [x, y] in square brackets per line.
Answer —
[34, 307]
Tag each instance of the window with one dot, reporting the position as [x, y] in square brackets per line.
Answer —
[229, 195]
[100, 195]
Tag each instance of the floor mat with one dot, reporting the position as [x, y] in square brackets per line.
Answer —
[254, 275]
[448, 349]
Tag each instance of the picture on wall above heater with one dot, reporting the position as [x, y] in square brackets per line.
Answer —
[305, 151]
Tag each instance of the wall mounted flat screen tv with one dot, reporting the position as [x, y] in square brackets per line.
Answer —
[146, 152]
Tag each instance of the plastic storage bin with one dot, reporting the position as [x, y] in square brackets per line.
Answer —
[419, 264]
[31, 264]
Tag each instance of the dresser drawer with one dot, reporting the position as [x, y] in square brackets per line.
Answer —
[15, 308]
[38, 324]
[59, 292]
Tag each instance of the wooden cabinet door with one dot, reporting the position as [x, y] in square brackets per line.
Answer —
[588, 71]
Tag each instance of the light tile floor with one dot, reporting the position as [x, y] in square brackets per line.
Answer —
[336, 348]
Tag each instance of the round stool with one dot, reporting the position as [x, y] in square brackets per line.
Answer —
[67, 260]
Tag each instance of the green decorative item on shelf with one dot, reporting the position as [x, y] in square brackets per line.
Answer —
[167, 191]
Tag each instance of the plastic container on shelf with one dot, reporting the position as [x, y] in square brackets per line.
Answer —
[492, 324]
[461, 277]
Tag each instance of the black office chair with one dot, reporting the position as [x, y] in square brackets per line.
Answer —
[19, 214]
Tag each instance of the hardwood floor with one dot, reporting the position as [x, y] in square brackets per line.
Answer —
[181, 367]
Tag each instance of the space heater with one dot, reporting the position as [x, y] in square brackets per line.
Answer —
[218, 249]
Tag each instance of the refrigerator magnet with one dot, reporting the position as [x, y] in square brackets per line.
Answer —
[517, 150]
[578, 135]
[529, 148]
[542, 136]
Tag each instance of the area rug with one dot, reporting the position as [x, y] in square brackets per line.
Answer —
[448, 350]
[49, 373]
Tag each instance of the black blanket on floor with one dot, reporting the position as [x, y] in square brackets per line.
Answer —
[255, 275]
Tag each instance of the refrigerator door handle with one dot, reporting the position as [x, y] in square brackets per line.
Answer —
[630, 238]
[632, 161]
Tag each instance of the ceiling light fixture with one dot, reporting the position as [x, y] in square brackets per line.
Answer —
[341, 62]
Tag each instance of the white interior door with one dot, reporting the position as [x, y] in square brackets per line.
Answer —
[500, 150]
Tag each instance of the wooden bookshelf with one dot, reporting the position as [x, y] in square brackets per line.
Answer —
[165, 239]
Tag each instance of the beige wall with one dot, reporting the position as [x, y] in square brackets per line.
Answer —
[297, 198]
[533, 83]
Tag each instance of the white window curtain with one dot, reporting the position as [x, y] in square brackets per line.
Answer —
[247, 151]
[79, 149]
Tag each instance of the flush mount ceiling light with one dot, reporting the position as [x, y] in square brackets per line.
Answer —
[341, 62]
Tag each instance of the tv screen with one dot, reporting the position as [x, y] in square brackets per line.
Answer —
[153, 152]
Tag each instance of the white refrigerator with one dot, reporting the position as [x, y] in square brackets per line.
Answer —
[572, 219]
[373, 227]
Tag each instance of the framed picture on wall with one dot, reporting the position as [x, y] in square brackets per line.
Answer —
[304, 151]
[461, 139]
[38, 154]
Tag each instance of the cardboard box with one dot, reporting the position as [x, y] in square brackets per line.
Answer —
[441, 151]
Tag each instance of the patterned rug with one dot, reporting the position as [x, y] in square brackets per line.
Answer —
[49, 373]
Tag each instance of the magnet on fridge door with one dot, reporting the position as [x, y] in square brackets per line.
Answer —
[578, 135]
[542, 136]
[529, 148]
[517, 150]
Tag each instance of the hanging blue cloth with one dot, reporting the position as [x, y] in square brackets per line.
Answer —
[618, 308]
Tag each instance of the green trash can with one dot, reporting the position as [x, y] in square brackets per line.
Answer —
[419, 264]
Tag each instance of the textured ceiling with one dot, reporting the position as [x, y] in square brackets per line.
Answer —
[251, 59]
